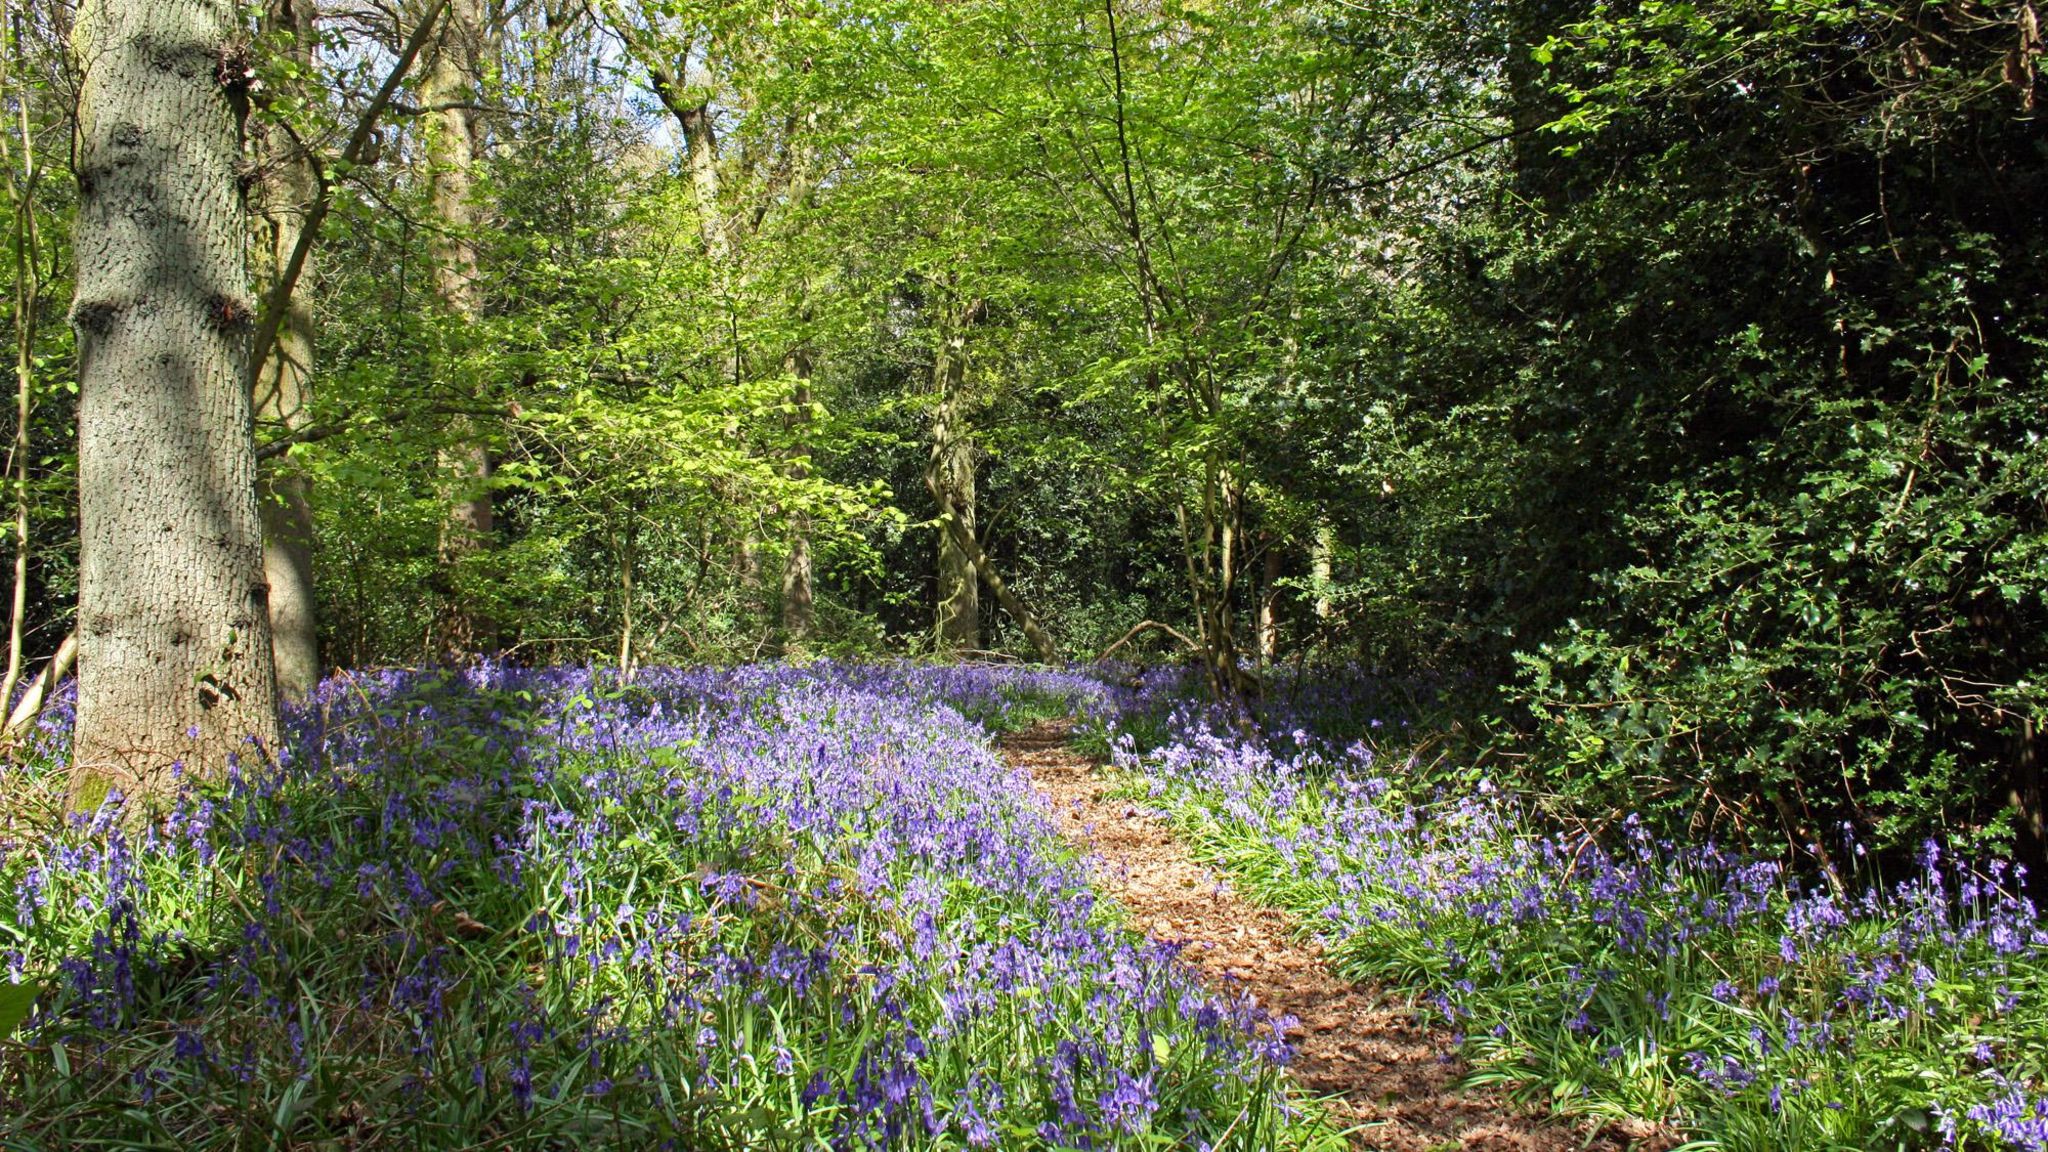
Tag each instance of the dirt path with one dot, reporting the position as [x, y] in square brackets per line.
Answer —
[1382, 1071]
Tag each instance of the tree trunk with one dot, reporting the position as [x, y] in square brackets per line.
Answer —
[286, 193]
[29, 708]
[1269, 604]
[690, 103]
[797, 601]
[448, 92]
[28, 292]
[625, 553]
[956, 624]
[700, 139]
[1322, 572]
[1027, 620]
[173, 610]
[691, 106]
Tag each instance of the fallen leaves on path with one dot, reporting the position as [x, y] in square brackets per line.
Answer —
[1378, 1066]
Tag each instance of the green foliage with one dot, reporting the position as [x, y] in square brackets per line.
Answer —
[1708, 422]
[1627, 977]
[15, 1001]
[1659, 384]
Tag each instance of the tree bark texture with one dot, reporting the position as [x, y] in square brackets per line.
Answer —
[448, 93]
[700, 139]
[173, 608]
[956, 624]
[285, 195]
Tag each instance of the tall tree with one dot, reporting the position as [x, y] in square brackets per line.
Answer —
[448, 97]
[752, 199]
[176, 662]
[286, 193]
[23, 242]
[798, 604]
[956, 623]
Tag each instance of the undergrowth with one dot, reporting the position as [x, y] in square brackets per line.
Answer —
[1614, 973]
[771, 908]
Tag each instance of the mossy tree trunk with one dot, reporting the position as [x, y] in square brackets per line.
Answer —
[956, 622]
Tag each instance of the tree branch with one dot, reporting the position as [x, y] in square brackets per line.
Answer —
[278, 300]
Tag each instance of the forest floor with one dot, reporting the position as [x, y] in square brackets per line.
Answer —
[1383, 1073]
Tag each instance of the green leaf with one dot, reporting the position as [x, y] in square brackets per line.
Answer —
[15, 1001]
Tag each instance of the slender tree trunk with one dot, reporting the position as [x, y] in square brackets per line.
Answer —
[30, 706]
[797, 602]
[949, 473]
[690, 103]
[1269, 604]
[448, 92]
[28, 291]
[692, 109]
[173, 607]
[1224, 510]
[700, 140]
[1321, 570]
[625, 550]
[286, 193]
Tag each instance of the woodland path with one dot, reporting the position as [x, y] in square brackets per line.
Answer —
[1379, 1068]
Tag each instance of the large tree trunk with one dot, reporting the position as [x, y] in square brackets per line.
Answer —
[173, 609]
[286, 194]
[797, 600]
[448, 93]
[956, 623]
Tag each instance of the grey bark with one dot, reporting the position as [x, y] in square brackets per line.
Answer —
[174, 621]
[448, 92]
[286, 195]
[700, 139]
